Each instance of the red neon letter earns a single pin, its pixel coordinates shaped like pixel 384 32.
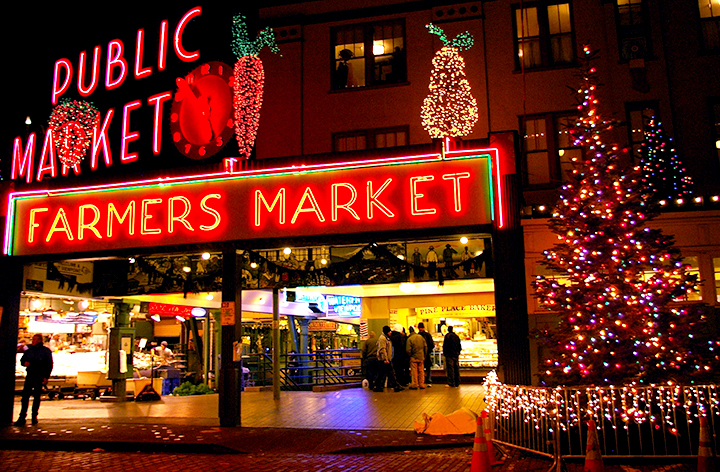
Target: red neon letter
pixel 344 206
pixel 100 137
pixel 115 58
pixel 456 187
pixel 85 91
pixel 60 217
pixel 58 90
pixel 171 213
pixel 47 158
pixel 82 226
pixel 162 48
pixel 22 162
pixel 415 196
pixel 372 199
pixel 144 216
pixel 280 197
pixel 179 49
pixel 210 211
pixel 33 225
pixel 140 72
pixel 127 136
pixel 113 213
pixel 314 207
pixel 158 100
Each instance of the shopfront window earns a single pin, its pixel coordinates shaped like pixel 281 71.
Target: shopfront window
pixel 475 326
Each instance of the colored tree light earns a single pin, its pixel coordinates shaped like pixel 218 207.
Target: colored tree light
pixel 72 123
pixel 661 167
pixel 249 82
pixel 449 110
pixel 616 282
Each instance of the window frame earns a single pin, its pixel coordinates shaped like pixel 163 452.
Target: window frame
pixel 639 106
pixel 544 36
pixel 368 57
pixel 626 33
pixel 370 135
pixel 704 49
pixel 553 148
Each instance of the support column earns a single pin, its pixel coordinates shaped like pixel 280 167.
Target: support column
pixel 10 289
pixel 276 344
pixel 230 335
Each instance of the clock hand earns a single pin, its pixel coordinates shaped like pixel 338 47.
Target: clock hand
pixel 199 107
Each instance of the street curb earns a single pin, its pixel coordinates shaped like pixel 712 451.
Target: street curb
pixel 114 446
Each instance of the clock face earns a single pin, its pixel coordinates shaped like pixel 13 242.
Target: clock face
pixel 201 115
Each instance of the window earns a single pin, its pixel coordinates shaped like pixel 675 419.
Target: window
pixel 716 265
pixel 710 24
pixel 633 28
pixel 370 139
pixel 548 149
pixel 365 55
pixel 716 124
pixel 638 115
pixel 543 35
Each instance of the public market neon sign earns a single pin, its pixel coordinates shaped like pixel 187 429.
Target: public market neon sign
pixel 403 193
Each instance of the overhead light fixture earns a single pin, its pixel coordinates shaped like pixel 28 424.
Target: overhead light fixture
pixel 323 261
pixel 180 318
pixel 209 296
pixel 463 240
pixel 198 312
pixel 401 257
pixel 186 269
pixel 287 251
pixel 83 304
pixel 205 255
pixel 407 287
pixel 131 260
pixel 155 318
pixel 253 265
pixel 50 312
pixel 35 304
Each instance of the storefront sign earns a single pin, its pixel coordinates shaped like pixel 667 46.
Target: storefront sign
pixel 343 306
pixel 405 193
pixel 317 325
pixel 227 314
pixel 455 311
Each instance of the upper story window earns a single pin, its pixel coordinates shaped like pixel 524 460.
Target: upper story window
pixel 370 139
pixel 716 125
pixel 710 24
pixel 368 54
pixel 548 149
pixel 638 116
pixel 543 35
pixel 633 28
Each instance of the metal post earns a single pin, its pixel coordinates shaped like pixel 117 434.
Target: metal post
pixel 276 344
pixel 231 326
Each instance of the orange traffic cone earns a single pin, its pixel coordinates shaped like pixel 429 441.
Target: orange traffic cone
pixel 593 458
pixel 705 455
pixel 489 440
pixel 480 460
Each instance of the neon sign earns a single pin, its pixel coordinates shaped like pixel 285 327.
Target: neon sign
pixel 392 194
pixel 344 306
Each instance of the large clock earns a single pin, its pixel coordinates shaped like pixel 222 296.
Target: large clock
pixel 201 115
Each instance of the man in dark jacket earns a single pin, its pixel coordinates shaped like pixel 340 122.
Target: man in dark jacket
pixel 428 358
pixel 451 351
pixel 38 363
pixel 370 360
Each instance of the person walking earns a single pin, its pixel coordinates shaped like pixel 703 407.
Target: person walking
pixel 428 357
pixel 38 363
pixel 385 355
pixel 417 351
pixel 370 360
pixel 451 351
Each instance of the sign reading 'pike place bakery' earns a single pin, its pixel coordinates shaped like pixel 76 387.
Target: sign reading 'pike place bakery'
pixel 410 194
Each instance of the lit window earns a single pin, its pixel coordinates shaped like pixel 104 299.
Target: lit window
pixel 548 149
pixel 543 35
pixel 633 29
pixel 370 139
pixel 710 24
pixel 368 54
pixel 716 265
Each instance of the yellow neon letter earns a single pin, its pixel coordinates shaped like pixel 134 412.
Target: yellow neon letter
pixel 315 208
pixel 344 206
pixel 33 225
pixel 415 196
pixel 211 211
pixel 112 212
pixel 456 187
pixel 82 226
pixel 280 197
pixel 60 217
pixel 144 216
pixel 171 216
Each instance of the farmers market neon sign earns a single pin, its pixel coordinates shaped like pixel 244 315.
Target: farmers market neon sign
pixel 391 194
pixel 84 77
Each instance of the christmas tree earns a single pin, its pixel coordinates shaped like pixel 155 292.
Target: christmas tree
pixel 615 277
pixel 449 110
pixel 661 168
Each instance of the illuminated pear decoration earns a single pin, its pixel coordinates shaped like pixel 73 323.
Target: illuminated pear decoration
pixel 449 110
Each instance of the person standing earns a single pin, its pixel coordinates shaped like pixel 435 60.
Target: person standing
pixel 400 359
pixel 370 360
pixel 164 352
pixel 432 259
pixel 38 363
pixel 385 355
pixel 417 351
pixel 451 351
pixel 428 357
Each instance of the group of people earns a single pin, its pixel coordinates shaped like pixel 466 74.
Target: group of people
pixel 405 360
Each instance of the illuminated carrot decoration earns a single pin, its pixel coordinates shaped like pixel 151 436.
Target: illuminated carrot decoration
pixel 249 81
